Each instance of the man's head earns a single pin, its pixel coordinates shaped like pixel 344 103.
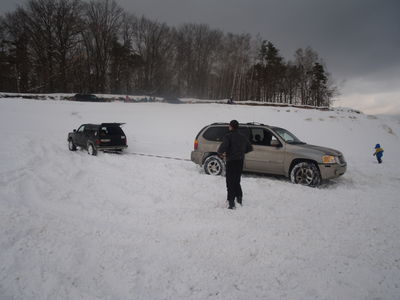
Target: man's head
pixel 233 125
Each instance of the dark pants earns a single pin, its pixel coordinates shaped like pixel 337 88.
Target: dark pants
pixel 234 170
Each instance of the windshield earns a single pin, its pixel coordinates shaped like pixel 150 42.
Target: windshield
pixel 287 136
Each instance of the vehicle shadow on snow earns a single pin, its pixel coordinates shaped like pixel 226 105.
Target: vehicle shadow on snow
pixel 83 150
pixel 325 184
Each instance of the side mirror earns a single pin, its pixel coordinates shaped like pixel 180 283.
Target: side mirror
pixel 275 143
pixel 74 130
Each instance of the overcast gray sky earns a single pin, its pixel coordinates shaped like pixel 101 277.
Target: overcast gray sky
pixel 359 40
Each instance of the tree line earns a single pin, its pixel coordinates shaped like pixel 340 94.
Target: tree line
pixel 69 46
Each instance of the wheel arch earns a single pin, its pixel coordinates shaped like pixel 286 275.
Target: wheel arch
pixel 207 155
pixel 299 160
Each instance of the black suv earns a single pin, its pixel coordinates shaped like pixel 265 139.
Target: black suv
pixel 95 137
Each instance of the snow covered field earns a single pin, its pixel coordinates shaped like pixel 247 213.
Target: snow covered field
pixel 73 226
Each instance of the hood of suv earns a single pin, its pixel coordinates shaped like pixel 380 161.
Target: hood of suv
pixel 317 149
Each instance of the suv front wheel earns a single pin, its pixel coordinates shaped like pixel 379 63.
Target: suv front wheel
pixel 305 173
pixel 213 165
pixel 71 145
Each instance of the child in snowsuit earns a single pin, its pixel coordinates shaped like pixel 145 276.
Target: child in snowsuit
pixel 378 153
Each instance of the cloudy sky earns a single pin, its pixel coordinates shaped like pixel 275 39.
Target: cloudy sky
pixel 359 40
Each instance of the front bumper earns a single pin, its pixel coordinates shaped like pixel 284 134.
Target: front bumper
pixel 332 171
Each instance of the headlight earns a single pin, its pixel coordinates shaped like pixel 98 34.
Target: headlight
pixel 329 159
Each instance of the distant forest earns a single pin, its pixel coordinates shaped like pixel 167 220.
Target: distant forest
pixel 71 46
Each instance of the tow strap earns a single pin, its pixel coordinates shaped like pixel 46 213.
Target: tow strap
pixel 158 156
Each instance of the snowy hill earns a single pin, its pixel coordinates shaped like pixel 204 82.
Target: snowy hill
pixel 125 226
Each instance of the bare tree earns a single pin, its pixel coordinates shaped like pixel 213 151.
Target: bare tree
pixel 15 50
pixel 68 29
pixel 196 56
pixel 305 60
pixel 152 42
pixel 70 45
pixel 102 22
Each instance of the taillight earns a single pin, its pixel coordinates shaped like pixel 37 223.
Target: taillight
pixel 124 139
pixel 97 142
pixel 196 144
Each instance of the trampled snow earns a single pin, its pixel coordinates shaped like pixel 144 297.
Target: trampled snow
pixel 74 226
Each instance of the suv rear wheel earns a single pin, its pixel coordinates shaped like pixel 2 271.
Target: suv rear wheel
pixel 213 165
pixel 305 173
pixel 91 149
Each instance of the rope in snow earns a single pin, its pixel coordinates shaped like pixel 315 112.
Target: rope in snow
pixel 159 156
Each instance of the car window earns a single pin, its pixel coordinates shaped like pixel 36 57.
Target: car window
pixel 287 136
pixel 110 130
pixel 261 136
pixel 89 131
pixel 80 129
pixel 245 131
pixel 274 139
pixel 216 133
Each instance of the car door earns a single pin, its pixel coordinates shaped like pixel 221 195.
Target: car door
pixel 265 158
pixel 79 137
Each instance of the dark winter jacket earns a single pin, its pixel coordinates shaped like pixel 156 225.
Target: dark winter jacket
pixel 235 145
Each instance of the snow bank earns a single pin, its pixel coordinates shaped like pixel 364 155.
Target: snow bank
pixel 131 227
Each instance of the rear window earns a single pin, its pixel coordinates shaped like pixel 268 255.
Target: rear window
pixel 111 130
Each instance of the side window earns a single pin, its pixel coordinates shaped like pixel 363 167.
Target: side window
pixel 257 136
pixel 274 139
pixel 216 133
pixel 245 131
pixel 89 131
pixel 80 129
pixel 261 136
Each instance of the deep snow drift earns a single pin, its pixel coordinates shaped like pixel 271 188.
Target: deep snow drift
pixel 124 226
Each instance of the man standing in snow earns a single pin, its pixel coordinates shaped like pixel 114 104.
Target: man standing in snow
pixel 233 148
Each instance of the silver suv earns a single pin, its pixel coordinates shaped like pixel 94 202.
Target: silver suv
pixel 275 151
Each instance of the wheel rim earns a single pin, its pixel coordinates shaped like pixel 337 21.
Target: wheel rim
pixel 304 176
pixel 71 145
pixel 213 167
pixel 90 149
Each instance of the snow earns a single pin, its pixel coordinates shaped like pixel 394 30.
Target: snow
pixel 125 226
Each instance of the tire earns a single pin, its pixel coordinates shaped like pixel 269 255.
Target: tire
pixel 71 145
pixel 91 149
pixel 213 165
pixel 305 173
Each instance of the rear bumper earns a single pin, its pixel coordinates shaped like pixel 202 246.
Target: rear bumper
pixel 196 157
pixel 332 171
pixel 111 148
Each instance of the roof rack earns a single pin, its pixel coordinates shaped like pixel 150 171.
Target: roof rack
pixel 255 123
pixel 112 124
